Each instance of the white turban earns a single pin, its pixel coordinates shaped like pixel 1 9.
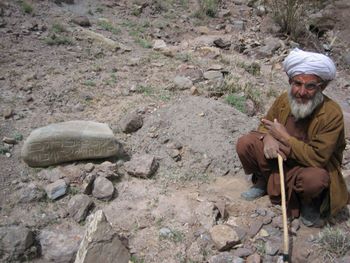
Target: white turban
pixel 302 62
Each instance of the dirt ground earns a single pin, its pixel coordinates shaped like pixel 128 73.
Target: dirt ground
pixel 53 70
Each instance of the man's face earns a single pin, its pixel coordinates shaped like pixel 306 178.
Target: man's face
pixel 304 95
pixel 304 87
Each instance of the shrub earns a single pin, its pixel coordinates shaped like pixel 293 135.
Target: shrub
pixel 207 8
pixel 26 7
pixel 236 101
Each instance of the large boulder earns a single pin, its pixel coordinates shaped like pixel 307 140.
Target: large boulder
pixel 69 141
pixel 101 243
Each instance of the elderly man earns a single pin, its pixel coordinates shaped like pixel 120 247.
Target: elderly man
pixel 307 129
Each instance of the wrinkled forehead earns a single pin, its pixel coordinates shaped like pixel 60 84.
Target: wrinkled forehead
pixel 306 78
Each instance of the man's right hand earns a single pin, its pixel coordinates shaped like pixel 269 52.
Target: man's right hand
pixel 272 148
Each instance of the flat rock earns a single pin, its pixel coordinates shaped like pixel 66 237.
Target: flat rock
pixel 131 122
pixel 159 44
pixel 69 141
pixel 225 257
pixel 101 243
pixel 243 252
pixel 141 165
pixel 212 74
pixel 255 258
pixel 60 243
pixel 81 21
pixel 255 228
pixel 103 189
pixel 14 241
pixel 56 189
pixel 224 237
pixel 182 83
pixel 79 206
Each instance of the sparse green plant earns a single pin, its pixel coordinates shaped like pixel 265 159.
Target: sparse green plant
pixel 146 90
pixel 105 25
pixel 333 242
pixel 143 43
pixel 18 136
pixel 99 10
pixel 260 247
pixel 175 235
pixel 73 190
pixel 135 259
pixel 3 150
pixel 184 57
pixel 26 7
pixel 207 8
pixel 89 83
pixel 58 28
pixel 236 101
pixel 57 40
pixel 289 15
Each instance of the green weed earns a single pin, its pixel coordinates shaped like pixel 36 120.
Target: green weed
pixel 236 101
pixel 57 28
pixel 207 8
pixel 56 40
pixel 143 43
pixel 135 259
pixel 17 136
pixel 3 150
pixel 89 83
pixel 26 7
pixel 105 25
pixel 253 68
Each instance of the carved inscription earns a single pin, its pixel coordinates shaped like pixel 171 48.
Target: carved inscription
pixel 71 149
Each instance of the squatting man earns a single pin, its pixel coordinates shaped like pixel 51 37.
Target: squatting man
pixel 306 128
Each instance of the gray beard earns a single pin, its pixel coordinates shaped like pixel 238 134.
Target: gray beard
pixel 300 110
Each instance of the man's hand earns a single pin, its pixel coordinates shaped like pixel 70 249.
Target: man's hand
pixel 271 147
pixel 277 130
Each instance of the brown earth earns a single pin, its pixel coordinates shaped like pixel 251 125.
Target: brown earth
pixel 87 79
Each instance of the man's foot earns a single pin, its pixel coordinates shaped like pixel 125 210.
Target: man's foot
pixel 253 193
pixel 310 215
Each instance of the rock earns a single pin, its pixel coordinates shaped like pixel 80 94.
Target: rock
pixel 9 140
pixel 260 10
pixel 103 189
pixel 205 214
pixel 106 42
pixel 51 175
pixel 220 43
pixel 224 237
pixel 271 45
pixel 344 259
pixel 30 193
pixel 159 44
pixel 212 75
pixel 14 241
pixel 346 59
pixel 131 122
pixel 255 228
pixel 69 141
pixel 8 113
pixel 255 258
pixel 182 83
pixel 141 165
pixel 225 257
pixel 295 225
pixel 203 30
pixel 89 167
pixel 61 243
pixel 79 206
pixel 194 91
pixel 81 21
pixel 107 170
pixel 88 183
pixel 272 247
pixel 243 252
pixel 165 232
pixel 238 25
pixel 249 106
pixel 101 243
pixel 193 73
pixel 56 189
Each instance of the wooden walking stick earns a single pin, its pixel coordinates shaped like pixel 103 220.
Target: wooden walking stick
pixel 284 211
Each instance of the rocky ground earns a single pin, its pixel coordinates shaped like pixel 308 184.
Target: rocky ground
pixel 177 87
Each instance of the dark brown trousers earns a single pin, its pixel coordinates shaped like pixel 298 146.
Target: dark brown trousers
pixel 302 183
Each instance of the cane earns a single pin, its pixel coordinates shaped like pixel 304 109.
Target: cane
pixel 284 211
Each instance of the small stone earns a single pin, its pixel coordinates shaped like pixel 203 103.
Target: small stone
pixel 272 248
pixel 212 74
pixel 141 165
pixel 263 233
pixel 243 252
pixel 225 257
pixel 81 21
pixel 295 225
pixel 255 258
pixel 107 170
pixel 52 175
pixel 8 113
pixel 165 232
pixel 255 228
pixel 182 83
pixel 224 237
pixel 239 25
pixel 194 91
pixel 131 122
pixel 103 189
pixel 88 183
pixel 9 140
pixel 159 44
pixel 8 155
pixel 56 189
pixel 79 206
pixel 89 167
pixel 277 221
